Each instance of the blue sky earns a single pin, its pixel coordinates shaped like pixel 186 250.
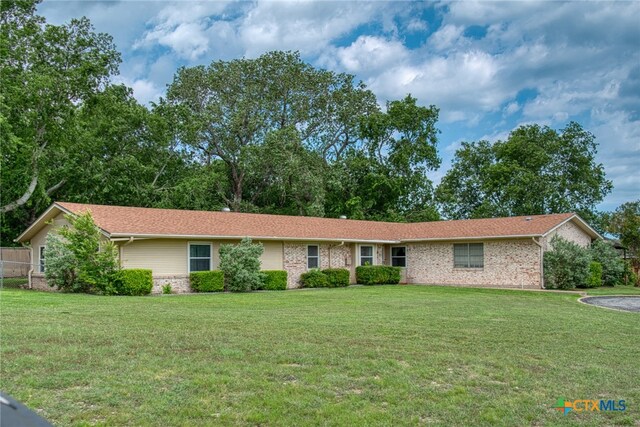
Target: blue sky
pixel 488 66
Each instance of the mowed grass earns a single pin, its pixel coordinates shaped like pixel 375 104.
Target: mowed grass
pixel 388 355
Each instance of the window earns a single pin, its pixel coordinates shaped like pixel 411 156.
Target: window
pixel 468 255
pixel 398 256
pixel 366 255
pixel 313 256
pixel 199 257
pixel 41 260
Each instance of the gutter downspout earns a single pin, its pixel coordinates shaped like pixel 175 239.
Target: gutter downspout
pixel 541 262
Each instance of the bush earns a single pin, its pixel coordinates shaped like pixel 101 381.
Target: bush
pixel 135 281
pixel 80 259
pixel 566 266
pixel 241 266
pixel 595 275
pixel 314 279
pixel 274 280
pixel 60 264
pixel 207 281
pixel 613 267
pixel 166 289
pixel 377 275
pixel 337 277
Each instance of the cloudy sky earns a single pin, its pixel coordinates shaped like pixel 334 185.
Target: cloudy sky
pixel 488 66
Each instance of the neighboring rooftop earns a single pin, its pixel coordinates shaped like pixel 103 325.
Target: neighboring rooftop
pixel 123 221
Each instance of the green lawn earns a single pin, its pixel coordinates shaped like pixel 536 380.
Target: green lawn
pixel 613 290
pixel 390 355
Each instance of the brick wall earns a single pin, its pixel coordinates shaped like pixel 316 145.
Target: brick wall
pixel 332 255
pixel 507 263
pixel 569 231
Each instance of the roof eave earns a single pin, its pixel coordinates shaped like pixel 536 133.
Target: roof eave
pixel 582 223
pixel 38 223
pixel 230 237
pixel 449 239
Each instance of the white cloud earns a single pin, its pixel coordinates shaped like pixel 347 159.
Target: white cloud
pixel 447 37
pixel 367 54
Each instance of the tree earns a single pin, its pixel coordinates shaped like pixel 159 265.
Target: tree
pixel 387 179
pixel 625 224
pixel 46 73
pixel 537 170
pixel 241 266
pixel 232 107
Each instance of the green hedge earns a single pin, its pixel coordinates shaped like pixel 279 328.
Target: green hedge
pixel 207 281
pixel 135 281
pixel 377 275
pixel 337 277
pixel 595 275
pixel 314 279
pixel 274 280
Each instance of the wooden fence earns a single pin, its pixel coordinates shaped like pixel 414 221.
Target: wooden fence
pixel 15 262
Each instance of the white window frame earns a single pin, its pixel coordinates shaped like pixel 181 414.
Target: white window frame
pixel 317 256
pixel 373 254
pixel 41 259
pixel 189 254
pixel 468 256
pixel 403 257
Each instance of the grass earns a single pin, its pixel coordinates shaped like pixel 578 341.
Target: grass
pixel 13 282
pixel 613 290
pixel 391 355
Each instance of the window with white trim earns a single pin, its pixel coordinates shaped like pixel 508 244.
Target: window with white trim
pixel 366 255
pixel 468 255
pixel 399 256
pixel 41 259
pixel 313 256
pixel 199 257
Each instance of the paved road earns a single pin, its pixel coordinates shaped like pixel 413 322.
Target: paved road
pixel 628 303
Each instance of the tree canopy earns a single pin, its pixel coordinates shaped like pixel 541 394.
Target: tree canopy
pixel 537 170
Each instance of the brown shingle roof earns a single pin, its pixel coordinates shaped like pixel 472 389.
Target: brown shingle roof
pixel 126 221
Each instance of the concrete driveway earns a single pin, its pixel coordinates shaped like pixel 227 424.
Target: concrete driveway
pixel 626 303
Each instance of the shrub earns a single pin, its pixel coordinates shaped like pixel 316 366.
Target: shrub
pixel 314 279
pixel 337 277
pixel 81 260
pixel 166 289
pixel 613 267
pixel 566 266
pixel 377 275
pixel 207 281
pixel 595 275
pixel 135 281
pixel 241 266
pixel 274 280
pixel 60 263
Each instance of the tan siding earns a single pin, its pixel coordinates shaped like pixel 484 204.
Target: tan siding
pixel 271 258
pixel 40 238
pixel 161 256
